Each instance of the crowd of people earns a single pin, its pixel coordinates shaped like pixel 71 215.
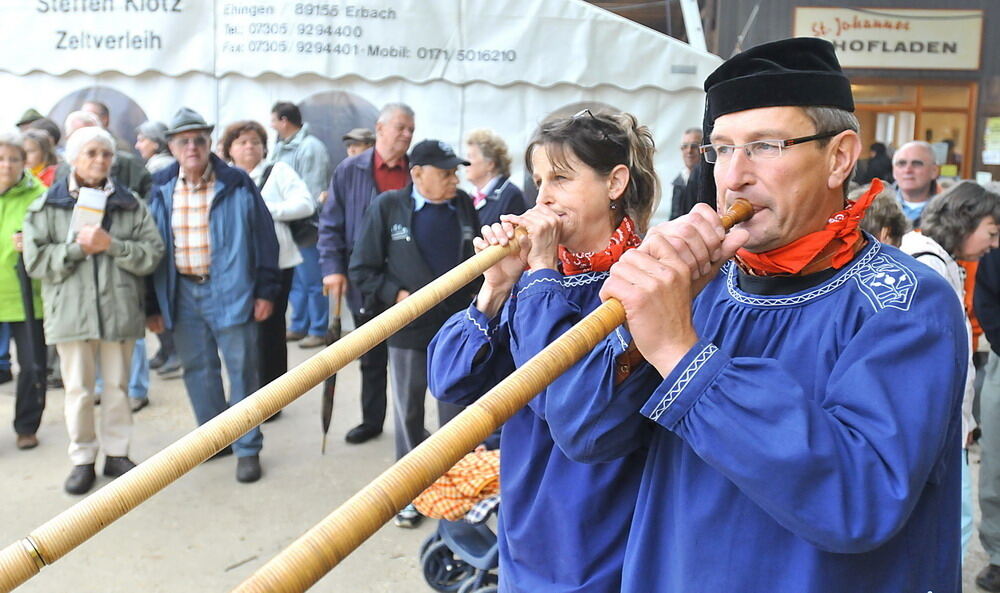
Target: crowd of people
pixel 803 385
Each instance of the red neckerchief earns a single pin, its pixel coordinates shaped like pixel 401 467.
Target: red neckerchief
pixel 623 239
pixel 837 242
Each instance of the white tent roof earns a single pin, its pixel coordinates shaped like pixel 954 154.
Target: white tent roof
pixel 461 64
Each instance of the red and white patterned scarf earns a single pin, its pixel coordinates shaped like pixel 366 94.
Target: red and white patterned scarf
pixel 623 239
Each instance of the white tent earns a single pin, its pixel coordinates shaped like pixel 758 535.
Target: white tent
pixel 461 64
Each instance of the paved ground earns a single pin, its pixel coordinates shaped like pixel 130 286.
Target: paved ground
pixel 207 533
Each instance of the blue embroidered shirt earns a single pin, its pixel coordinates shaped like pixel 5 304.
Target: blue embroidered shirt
pixel 562 523
pixel 809 443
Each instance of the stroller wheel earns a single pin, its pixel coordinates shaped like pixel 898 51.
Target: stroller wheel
pixel 485 582
pixel 443 571
pixel 434 537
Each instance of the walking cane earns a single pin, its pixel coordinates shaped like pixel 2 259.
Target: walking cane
pixel 333 332
pixel 31 324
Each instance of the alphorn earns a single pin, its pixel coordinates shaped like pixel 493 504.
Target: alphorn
pixel 319 550
pixel 51 541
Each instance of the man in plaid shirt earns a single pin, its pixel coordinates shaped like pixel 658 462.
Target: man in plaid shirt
pixel 219 276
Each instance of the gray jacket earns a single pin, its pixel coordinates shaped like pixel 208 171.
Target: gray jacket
pixel 97 297
pixel 308 156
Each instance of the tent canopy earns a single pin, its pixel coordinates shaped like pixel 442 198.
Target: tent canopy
pixel 461 64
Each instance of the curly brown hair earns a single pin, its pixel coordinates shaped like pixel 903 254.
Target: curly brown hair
pixel 235 130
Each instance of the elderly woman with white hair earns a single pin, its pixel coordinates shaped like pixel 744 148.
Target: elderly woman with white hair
pixel 92 290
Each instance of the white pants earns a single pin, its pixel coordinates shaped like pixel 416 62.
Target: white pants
pixel 79 362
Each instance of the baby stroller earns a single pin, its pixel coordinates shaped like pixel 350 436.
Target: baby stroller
pixel 462 556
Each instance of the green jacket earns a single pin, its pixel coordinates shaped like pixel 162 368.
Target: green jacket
pixel 99 297
pixel 13 206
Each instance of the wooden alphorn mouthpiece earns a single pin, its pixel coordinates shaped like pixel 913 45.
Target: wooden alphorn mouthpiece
pixel 740 211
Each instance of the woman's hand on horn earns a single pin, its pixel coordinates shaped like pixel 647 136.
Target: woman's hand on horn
pixel 499 278
pixel 544 227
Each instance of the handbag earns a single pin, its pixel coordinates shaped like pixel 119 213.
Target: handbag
pixel 305 231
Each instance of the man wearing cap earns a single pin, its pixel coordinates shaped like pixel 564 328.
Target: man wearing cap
pixel 800 403
pixel 410 237
pixel 219 276
pixel 358 140
pixel 29 116
pixel 356 182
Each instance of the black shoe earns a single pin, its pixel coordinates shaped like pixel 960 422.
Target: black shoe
pixel 158 360
pixel 275 417
pixel 81 479
pixel 54 383
pixel 362 433
pixel 6 376
pixel 988 578
pixel 115 467
pixel 226 452
pixel 248 469
pixel 138 403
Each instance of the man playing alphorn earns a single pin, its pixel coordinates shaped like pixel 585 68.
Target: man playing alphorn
pixel 801 404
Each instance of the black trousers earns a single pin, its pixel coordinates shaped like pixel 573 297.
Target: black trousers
pixel 30 396
pixel 272 348
pixel 373 378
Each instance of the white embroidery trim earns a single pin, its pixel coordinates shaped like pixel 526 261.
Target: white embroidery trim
pixel 692 369
pixel 568 281
pixel 485 331
pixel 851 272
pixel 621 339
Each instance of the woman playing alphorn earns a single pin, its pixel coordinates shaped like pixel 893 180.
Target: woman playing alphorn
pixel 563 525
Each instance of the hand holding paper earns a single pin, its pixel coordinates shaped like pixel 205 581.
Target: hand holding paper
pixel 93 239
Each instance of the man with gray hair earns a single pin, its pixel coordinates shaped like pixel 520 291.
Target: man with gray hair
pixel 219 277
pixel 356 182
pixel 915 169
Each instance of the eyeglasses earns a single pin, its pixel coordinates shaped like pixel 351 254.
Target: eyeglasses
pixel 199 141
pixel 690 146
pixel 756 150
pixel 902 164
pixel 586 112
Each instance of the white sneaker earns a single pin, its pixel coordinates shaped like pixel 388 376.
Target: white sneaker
pixel 409 517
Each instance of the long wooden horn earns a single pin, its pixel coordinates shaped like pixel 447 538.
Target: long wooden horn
pixel 51 541
pixel 315 553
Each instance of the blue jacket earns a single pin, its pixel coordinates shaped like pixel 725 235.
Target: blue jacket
pixel 352 189
pixel 244 248
pixel 505 198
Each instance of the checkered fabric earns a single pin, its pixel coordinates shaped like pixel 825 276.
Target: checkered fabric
pixel 474 478
pixel 189 221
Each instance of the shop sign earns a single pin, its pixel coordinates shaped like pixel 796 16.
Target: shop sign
pixel 896 37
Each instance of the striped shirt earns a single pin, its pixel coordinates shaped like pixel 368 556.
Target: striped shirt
pixel 189 222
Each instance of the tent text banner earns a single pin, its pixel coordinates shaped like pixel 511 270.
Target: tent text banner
pixel 129 36
pixel 501 42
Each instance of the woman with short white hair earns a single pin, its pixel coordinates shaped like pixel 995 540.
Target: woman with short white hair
pixel 92 289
